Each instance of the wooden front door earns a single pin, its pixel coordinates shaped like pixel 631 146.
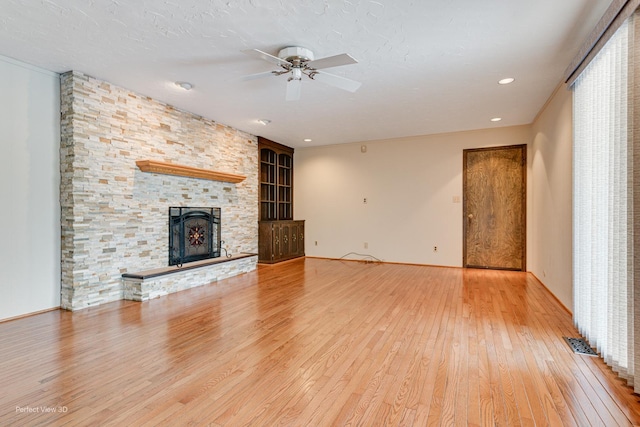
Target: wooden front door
pixel 494 197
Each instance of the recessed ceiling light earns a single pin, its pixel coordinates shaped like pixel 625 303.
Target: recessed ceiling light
pixel 308 140
pixel 264 122
pixel 506 81
pixel 184 85
pixel 496 119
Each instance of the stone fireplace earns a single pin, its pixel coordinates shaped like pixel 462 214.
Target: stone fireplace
pixel 194 234
pixel 114 216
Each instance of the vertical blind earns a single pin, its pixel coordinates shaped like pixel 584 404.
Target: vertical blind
pixel 604 269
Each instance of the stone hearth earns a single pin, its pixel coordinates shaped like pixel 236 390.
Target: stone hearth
pixel 149 284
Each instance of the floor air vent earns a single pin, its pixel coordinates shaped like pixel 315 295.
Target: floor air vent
pixel 580 346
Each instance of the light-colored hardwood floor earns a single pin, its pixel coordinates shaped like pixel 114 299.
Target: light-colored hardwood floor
pixel 314 343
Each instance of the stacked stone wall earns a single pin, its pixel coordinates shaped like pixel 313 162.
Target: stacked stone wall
pixel 115 217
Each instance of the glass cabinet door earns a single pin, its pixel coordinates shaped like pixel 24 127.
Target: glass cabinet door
pixel 285 171
pixel 268 184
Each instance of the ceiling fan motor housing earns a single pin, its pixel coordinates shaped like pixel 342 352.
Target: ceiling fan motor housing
pixel 292 53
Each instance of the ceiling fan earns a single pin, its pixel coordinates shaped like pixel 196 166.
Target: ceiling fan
pixel 298 62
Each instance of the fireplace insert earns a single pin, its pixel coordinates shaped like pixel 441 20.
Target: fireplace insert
pixel 194 234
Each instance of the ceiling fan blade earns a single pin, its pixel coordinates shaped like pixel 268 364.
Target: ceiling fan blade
pixel 337 81
pixel 265 56
pixel 258 75
pixel 331 61
pixel 293 89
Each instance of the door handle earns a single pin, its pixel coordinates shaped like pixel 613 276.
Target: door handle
pixel 470 216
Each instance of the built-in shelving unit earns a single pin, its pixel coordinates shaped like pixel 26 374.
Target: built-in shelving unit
pixel 187 171
pixel 280 237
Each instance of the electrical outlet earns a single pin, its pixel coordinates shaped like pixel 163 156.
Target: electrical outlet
pixel 435 249
pixel 316 243
pixel 364 200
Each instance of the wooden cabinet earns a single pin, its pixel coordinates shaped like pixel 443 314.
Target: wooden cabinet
pixel 280 238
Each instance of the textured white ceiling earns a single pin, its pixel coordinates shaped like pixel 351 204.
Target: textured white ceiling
pixel 427 66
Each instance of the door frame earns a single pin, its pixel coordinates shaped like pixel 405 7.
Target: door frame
pixel 523 147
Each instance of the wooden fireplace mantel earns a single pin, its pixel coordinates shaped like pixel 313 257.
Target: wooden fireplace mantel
pixel 187 171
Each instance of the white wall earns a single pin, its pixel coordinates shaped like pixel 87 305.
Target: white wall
pixel 409 184
pixel 29 189
pixel 550 160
